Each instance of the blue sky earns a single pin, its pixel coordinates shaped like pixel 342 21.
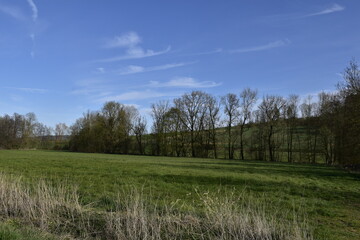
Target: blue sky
pixel 61 58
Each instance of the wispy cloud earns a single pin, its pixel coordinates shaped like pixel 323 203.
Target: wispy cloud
pixel 276 44
pixel 91 92
pixel 132 69
pixel 34 17
pixel 130 41
pixel 29 90
pixel 300 15
pixel 137 95
pixel 13 12
pixel 218 50
pixel 100 70
pixel 334 8
pixel 16 98
pixel 100 91
pixel 17 14
pixel 184 82
pixel 340 75
pixel 34 10
pixel 32 52
pixel 314 95
pixel 135 53
pixel 91 87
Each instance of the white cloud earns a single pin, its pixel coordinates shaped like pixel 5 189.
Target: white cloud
pixel 184 82
pixel 132 69
pixel 166 66
pixel 135 53
pixel 90 91
pixel 34 10
pixel 29 90
pixel 127 40
pixel 130 41
pixel 137 106
pixel 340 75
pixel 218 50
pixel 99 91
pixel 334 8
pixel 32 52
pixel 315 94
pixel 137 95
pixel 276 44
pixel 18 15
pixel 91 87
pixel 300 15
pixel 100 70
pixel 13 12
pixel 16 98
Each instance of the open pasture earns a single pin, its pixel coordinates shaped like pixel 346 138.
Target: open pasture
pixel 327 197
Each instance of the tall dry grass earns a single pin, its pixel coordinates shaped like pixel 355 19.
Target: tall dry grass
pixel 225 217
pixel 57 210
pixel 50 208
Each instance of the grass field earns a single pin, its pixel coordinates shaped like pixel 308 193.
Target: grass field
pixel 327 197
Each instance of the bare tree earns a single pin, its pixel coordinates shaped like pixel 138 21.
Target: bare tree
pixel 308 107
pixel 176 132
pixel 258 143
pixel 159 111
pixel 272 107
pixel 61 130
pixel 139 131
pixel 351 83
pixel 213 108
pixel 231 105
pixel 308 112
pixel 248 100
pixel 327 112
pixel 42 133
pixel 127 121
pixel 347 135
pixel 109 118
pixel 192 107
pixel 291 112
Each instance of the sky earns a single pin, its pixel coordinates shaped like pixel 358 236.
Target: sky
pixel 60 58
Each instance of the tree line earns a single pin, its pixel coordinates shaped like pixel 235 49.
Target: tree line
pixel 198 124
pixel 234 126
pixel 26 132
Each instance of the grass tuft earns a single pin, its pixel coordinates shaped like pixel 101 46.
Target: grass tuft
pixel 57 210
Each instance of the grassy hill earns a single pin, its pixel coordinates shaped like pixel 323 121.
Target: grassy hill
pixel 327 198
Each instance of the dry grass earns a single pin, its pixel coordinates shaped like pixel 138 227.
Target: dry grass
pixel 226 217
pixel 57 210
pixel 54 209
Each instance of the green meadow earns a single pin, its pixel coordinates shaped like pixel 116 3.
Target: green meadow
pixel 327 197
